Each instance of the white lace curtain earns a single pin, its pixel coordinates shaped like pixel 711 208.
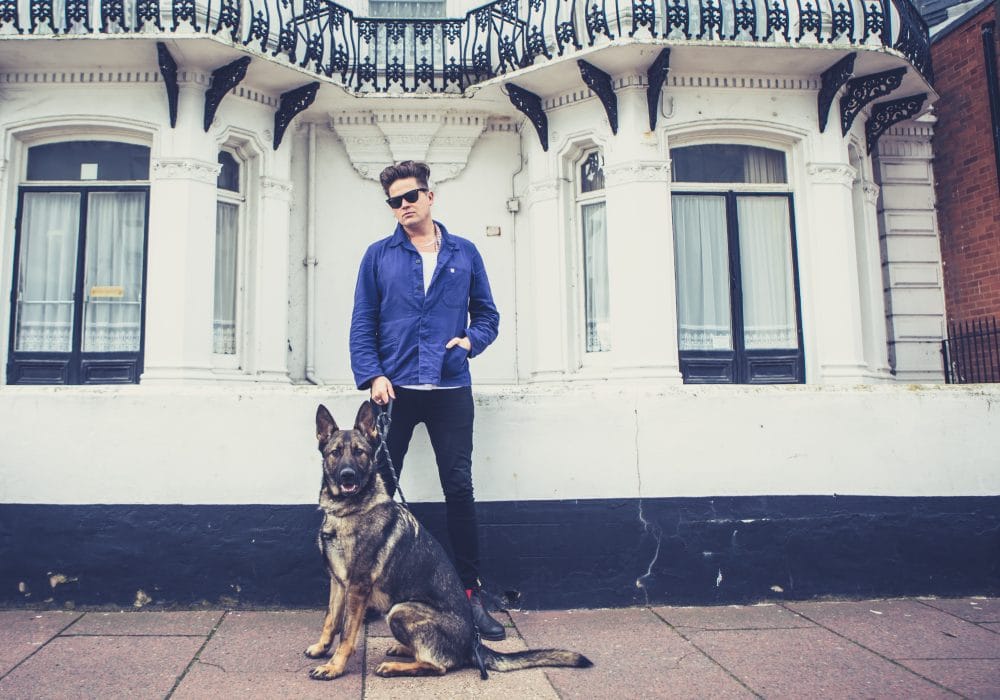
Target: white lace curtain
pixel 597 305
pixel 766 266
pixel 702 258
pixel 112 317
pixel 224 327
pixel 49 230
pixel 702 261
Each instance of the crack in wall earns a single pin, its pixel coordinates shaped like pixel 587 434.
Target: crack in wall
pixel 647 527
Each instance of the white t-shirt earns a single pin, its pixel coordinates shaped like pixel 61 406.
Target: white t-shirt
pixel 430 262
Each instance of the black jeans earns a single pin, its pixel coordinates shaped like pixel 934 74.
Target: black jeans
pixel 448 415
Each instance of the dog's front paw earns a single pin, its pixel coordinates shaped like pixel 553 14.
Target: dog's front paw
pixel 317 651
pixel 326 672
pixel 386 669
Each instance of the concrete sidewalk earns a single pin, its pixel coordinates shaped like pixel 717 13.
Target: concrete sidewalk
pixel 907 648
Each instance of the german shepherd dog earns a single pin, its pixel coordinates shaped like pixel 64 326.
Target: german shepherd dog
pixel 379 556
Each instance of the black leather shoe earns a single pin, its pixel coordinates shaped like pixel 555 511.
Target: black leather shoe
pixel 488 627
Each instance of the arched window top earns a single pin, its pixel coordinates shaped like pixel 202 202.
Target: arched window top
pixel 229 176
pixel 88 160
pixel 592 172
pixel 730 163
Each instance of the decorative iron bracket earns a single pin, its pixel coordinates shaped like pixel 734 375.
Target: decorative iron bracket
pixel 292 102
pixel 600 82
pixel 834 78
pixel 656 76
pixel 530 105
pixel 886 114
pixel 861 91
pixel 168 69
pixel 224 79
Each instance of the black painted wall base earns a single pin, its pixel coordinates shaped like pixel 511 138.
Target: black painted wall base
pixel 537 554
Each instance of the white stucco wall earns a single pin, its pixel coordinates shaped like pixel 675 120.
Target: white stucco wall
pixel 196 445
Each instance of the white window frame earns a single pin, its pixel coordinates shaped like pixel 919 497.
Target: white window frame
pixel 237 360
pixel 588 358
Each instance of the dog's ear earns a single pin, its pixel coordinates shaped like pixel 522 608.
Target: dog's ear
pixel 326 426
pixel 365 422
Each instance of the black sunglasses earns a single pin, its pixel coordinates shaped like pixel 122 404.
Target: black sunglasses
pixel 411 197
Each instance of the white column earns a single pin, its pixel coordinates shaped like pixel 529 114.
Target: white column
pixel 545 300
pixel 180 269
pixel 878 363
pixel 837 306
pixel 640 245
pixel 269 303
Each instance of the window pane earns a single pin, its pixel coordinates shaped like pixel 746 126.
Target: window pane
pixel 766 265
pixel 728 163
pixel 595 270
pixel 592 173
pixel 229 176
pixel 407 9
pixel 702 257
pixel 112 311
pixel 49 230
pixel 88 160
pixel 226 229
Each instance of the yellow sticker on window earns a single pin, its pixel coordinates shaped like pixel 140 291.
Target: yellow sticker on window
pixel 107 292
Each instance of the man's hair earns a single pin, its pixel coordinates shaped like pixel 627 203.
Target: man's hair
pixel 403 170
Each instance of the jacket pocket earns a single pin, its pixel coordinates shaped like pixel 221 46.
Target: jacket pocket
pixel 455 360
pixel 455 287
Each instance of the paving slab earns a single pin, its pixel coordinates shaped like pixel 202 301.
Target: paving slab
pixel 260 655
pixel 971 609
pixel 130 622
pixel 971 678
pixel 991 626
pixel 633 652
pixel 460 683
pixel 23 632
pixel 804 663
pixel 904 629
pixel 102 667
pixel 732 617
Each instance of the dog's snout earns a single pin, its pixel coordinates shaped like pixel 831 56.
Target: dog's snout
pixel 348 475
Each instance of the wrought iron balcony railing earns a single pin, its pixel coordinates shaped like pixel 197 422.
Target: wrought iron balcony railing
pixel 448 55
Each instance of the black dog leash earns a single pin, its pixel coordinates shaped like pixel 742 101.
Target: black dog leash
pixel 477 654
pixel 382 422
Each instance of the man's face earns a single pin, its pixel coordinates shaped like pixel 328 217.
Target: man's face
pixel 415 214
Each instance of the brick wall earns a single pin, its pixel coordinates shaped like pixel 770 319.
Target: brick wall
pixel 965 166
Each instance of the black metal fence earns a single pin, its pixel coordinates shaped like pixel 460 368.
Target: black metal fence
pixel 448 55
pixel 972 352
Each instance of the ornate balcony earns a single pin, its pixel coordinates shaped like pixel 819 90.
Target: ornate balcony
pixel 496 39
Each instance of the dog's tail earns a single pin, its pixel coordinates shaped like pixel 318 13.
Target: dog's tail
pixel 533 658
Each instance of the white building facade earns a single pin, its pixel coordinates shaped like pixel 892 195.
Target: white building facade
pixel 709 230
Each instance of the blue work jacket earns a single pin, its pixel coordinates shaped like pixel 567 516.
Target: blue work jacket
pixel 399 332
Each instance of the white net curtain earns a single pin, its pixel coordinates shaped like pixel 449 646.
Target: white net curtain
pixel 112 311
pixel 49 232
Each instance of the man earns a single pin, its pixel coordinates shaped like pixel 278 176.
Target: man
pixel 422 308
